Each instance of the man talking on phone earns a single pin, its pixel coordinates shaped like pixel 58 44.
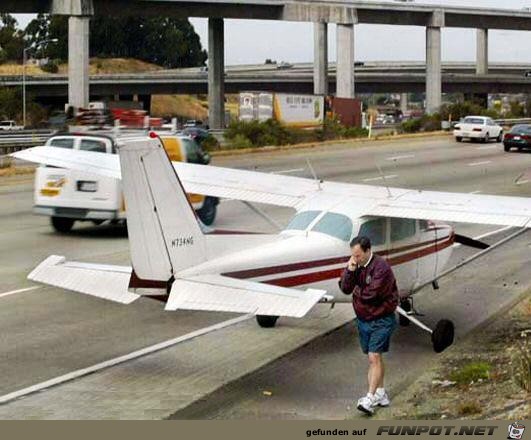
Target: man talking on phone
pixel 371 282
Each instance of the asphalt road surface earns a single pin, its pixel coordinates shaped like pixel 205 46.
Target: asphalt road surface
pixel 47 332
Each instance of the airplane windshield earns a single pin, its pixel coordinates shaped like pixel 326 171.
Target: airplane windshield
pixel 336 225
pixel 302 220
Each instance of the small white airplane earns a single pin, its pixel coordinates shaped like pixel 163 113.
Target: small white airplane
pixel 284 274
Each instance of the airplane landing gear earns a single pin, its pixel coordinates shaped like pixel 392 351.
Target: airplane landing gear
pixel 443 335
pixel 407 306
pixel 266 321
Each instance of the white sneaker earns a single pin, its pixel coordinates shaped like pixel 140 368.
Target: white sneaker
pixel 366 404
pixel 381 398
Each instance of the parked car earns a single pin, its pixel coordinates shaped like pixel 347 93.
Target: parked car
pixel 67 196
pixel 519 137
pixel 527 74
pixel 198 134
pixel 10 126
pixel 193 123
pixel 480 128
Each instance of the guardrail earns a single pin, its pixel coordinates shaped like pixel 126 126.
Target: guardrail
pixel 15 141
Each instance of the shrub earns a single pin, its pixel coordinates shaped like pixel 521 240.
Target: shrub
pixel 471 372
pixel 210 143
pixel 258 134
pixel 51 66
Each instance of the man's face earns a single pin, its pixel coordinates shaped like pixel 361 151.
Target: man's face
pixel 359 256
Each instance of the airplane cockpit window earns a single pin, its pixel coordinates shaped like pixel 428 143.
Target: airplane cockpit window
pixel 336 225
pixel 402 228
pixel 374 230
pixel 302 220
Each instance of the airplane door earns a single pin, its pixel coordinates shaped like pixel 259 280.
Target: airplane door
pixel 404 251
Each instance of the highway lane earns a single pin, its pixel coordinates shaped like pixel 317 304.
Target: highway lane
pixel 48 332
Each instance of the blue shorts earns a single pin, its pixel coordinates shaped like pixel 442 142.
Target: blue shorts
pixel 376 335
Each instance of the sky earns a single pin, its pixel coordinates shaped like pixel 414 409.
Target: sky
pixel 253 41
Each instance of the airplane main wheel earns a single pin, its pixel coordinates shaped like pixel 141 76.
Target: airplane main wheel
pixel 443 335
pixel 406 305
pixel 266 321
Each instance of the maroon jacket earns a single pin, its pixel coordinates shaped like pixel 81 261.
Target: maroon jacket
pixel 373 288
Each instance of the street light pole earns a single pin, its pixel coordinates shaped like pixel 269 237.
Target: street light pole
pixel 24 86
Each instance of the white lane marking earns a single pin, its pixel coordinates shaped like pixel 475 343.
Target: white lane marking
pixel 487 147
pixel 294 170
pixel 405 156
pixel 27 289
pixel 119 360
pixel 373 179
pixel 475 164
pixel 474 192
pixel 523 182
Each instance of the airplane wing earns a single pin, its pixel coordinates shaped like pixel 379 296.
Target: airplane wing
pixel 223 294
pixel 294 192
pixel 205 292
pixel 212 181
pixel 103 281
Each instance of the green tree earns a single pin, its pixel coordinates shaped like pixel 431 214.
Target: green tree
pixel 11 39
pixel 168 42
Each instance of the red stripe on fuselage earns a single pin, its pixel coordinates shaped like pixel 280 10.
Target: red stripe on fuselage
pixel 314 277
pixel 275 270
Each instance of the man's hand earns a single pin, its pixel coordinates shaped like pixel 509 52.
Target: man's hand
pixel 352 265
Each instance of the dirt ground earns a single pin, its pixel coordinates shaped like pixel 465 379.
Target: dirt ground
pixel 485 376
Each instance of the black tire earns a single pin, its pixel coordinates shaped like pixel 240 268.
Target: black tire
pixel 443 335
pixel 500 137
pixel 207 213
pixel 459 139
pixel 506 148
pixel 62 224
pixel 485 139
pixel 266 321
pixel 402 320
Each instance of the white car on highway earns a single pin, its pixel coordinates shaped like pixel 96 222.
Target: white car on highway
pixel 480 128
pixel 10 126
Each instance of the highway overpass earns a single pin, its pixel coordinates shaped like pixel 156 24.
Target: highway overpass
pixel 370 78
pixel 344 13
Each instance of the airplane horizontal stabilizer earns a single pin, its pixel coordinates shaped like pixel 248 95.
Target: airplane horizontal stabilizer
pixel 103 281
pixel 223 294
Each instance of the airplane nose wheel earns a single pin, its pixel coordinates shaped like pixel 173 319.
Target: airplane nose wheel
pixel 443 335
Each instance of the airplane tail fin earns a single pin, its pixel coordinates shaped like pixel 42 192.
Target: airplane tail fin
pixel 164 235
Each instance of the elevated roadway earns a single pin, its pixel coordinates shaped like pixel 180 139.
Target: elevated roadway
pixel 370 78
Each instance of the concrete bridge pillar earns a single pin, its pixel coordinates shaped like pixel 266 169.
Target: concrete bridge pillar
pixel 482 47
pixel 320 59
pixel 78 61
pixel 433 70
pixel 345 61
pixel 216 73
pixel 404 102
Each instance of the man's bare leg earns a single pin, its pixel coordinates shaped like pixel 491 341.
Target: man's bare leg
pixel 376 372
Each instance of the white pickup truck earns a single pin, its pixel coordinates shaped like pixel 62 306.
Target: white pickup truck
pixel 10 126
pixel 67 196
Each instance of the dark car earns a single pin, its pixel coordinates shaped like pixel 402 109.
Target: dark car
pixel 519 137
pixel 196 133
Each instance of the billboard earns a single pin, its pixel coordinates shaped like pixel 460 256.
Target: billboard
pixel 289 109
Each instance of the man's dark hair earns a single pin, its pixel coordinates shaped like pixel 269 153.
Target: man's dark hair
pixel 364 242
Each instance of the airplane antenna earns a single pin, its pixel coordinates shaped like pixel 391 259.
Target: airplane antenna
pixel 319 181
pixel 385 181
